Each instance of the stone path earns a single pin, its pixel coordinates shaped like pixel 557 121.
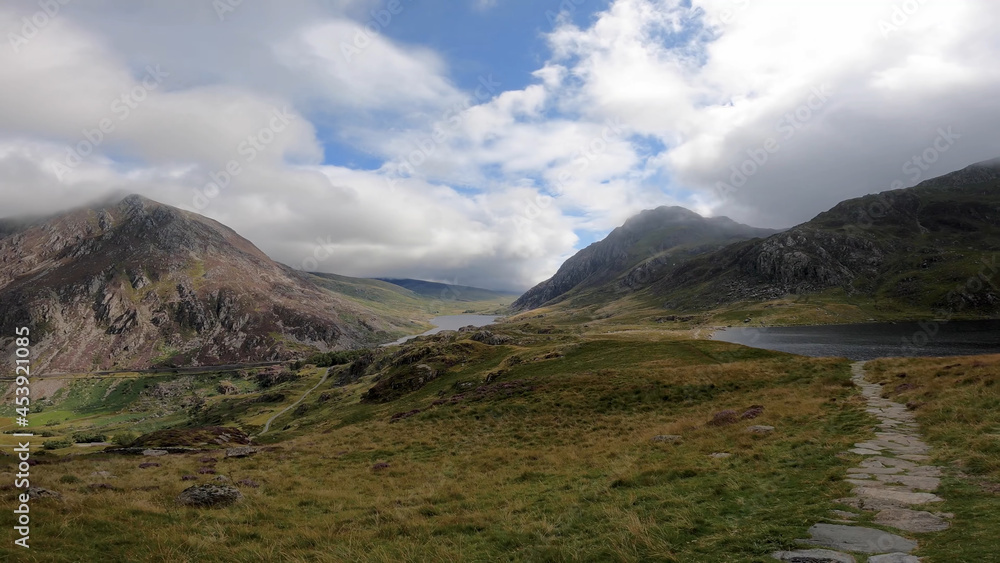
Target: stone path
pixel 892 481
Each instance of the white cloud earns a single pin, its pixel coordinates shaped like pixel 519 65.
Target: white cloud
pixel 651 104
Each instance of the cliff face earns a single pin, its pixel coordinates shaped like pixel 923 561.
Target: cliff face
pixel 139 283
pixel 934 246
pixel 637 249
pixel 918 245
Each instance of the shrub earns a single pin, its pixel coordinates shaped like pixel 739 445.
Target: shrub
pixel 125 439
pixel 57 444
pixel 88 437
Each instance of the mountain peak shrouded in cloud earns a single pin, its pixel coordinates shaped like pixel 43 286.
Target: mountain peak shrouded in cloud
pixel 431 154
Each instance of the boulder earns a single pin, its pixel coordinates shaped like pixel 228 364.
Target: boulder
pixel 210 496
pixel 244 451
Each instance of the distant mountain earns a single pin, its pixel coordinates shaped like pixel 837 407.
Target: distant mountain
pixel 935 245
pixel 652 241
pixel 443 291
pixel 920 250
pixel 137 283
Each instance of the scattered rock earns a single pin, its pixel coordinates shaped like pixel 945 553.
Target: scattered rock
pixel 248 483
pixel 858 539
pixel 154 453
pixel 911 520
pixel 720 455
pixel 760 429
pixel 38 492
pixel 206 471
pixel 103 474
pixel 148 465
pixel 380 466
pixel 813 556
pixel 724 418
pixel 668 438
pixel 243 451
pixel 210 496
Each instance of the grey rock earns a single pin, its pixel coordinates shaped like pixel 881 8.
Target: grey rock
pixel 858 539
pixel 154 453
pixel 813 556
pixel 240 452
pixel 720 455
pixel 911 520
pixel 210 496
pixel 760 429
pixel 38 492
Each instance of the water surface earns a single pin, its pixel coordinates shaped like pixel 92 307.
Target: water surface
pixel 870 341
pixel 451 322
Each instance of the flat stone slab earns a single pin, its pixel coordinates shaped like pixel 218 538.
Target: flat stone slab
pixel 894 558
pixel 896 495
pixel 863 451
pixel 920 483
pixel 858 539
pixel 814 556
pixel 911 520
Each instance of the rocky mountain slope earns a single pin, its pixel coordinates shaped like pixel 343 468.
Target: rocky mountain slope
pixel 650 241
pixel 933 247
pixel 137 283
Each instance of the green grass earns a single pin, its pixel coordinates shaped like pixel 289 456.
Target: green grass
pixel 957 403
pixel 562 468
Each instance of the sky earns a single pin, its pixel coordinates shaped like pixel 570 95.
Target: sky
pixel 483 142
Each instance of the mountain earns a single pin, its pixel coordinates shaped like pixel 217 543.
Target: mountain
pixel 923 247
pixel 927 250
pixel 137 283
pixel 446 291
pixel 652 240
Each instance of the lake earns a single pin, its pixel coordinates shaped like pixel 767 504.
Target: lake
pixel 451 322
pixel 876 340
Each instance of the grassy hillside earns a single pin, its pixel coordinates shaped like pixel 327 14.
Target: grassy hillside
pixel 553 459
